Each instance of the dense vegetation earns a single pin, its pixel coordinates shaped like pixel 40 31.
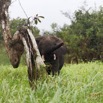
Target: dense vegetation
pixel 77 83
pixel 84 37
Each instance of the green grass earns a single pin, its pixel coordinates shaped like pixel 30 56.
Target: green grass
pixel 77 83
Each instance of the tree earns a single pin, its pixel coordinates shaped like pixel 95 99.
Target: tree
pixel 84 36
pixel 86 26
pixel 34 60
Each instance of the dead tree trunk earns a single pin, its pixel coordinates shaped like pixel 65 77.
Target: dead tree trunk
pixel 36 66
pixel 34 60
pixel 4 5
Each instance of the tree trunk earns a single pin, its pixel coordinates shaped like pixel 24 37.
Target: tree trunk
pixel 35 63
pixel 4 5
pixel 34 60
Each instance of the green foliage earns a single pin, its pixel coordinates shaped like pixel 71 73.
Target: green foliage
pixel 80 83
pixel 87 24
pixel 37 19
pixel 15 24
pixel 84 37
pixel 3 56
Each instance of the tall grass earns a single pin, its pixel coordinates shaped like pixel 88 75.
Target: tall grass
pixel 77 83
pixel 82 83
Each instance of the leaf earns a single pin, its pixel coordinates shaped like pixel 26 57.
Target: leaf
pixel 39 20
pixel 41 16
pixel 36 22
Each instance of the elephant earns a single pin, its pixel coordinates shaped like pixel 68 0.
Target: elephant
pixel 51 48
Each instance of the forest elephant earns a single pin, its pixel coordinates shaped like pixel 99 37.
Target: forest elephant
pixel 51 48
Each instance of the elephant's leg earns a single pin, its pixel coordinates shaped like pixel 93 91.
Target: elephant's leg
pixel 58 72
pixel 61 61
pixel 48 67
pixel 48 70
pixel 55 67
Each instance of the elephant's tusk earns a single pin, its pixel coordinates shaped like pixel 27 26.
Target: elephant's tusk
pixel 43 58
pixel 54 56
